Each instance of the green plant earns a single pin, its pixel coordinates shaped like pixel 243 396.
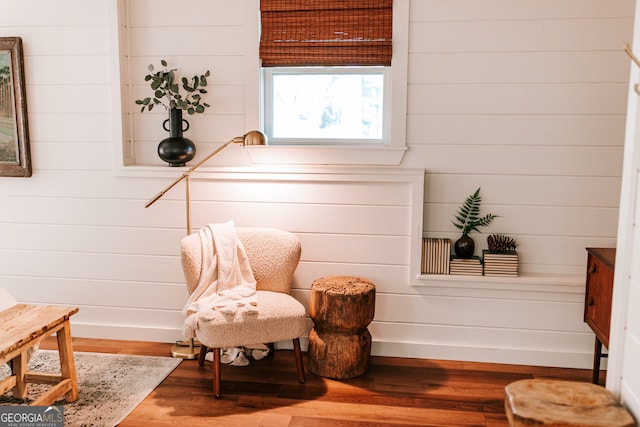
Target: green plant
pixel 166 91
pixel 468 218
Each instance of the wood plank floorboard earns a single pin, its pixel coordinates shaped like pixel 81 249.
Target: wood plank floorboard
pixel 394 392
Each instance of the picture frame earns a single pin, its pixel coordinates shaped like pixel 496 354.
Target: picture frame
pixel 15 155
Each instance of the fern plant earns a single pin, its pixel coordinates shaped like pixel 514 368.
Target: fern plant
pixel 468 218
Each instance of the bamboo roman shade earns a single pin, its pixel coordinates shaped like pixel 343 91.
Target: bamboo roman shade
pixel 325 32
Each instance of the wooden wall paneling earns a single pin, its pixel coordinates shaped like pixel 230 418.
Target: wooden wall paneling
pixel 52 126
pixel 499 129
pixel 209 13
pixel 95 155
pixel 90 238
pixel 512 98
pixel 60 69
pixel 526 190
pixel 87 184
pixel 153 296
pixel 34 13
pixel 299 218
pixel 77 265
pixel 44 98
pixel 159 43
pixel 147 332
pixel 517 67
pixel 446 10
pixel 519 160
pixel 279 187
pixel 520 35
pixel 91 211
pixel 140 318
pixel 463 312
pixel 352 249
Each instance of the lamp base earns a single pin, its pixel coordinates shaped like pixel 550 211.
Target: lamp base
pixel 186 349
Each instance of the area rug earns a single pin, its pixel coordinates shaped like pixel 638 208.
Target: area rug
pixel 110 386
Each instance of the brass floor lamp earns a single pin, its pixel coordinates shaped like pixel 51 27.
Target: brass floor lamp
pixel 254 137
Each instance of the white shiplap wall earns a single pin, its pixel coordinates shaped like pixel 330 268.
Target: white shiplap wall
pixel 526 101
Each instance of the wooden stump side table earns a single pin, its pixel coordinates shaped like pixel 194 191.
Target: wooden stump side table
pixel 556 403
pixel 341 307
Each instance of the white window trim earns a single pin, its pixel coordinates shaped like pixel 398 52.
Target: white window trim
pixel 267 113
pixel 391 154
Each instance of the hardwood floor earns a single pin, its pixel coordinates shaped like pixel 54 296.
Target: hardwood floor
pixel 394 392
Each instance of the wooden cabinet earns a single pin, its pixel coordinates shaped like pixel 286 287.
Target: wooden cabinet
pixel 597 300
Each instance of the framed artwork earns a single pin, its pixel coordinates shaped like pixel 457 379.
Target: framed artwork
pixel 15 158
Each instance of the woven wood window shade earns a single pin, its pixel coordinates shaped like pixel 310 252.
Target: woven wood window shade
pixel 325 32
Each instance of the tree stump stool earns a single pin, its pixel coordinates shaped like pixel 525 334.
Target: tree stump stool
pixel 341 308
pixel 563 404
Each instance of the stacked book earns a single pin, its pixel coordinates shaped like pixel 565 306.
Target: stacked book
pixel 466 266
pixel 436 254
pixel 500 263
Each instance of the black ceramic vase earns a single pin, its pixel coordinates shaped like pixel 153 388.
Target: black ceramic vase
pixel 176 150
pixel 464 247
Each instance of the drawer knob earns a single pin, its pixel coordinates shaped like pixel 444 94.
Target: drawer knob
pixel 591 301
pixel 592 268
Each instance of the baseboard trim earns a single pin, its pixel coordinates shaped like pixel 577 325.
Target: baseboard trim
pixel 511 356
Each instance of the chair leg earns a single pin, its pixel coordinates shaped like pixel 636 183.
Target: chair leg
pixel 203 354
pixel 216 372
pixel 299 364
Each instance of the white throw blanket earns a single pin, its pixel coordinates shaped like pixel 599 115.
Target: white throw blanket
pixel 226 282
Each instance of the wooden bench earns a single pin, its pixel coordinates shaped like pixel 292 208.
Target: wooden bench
pixel 24 326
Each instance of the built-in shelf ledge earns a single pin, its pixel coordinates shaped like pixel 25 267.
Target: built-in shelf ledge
pixel 526 282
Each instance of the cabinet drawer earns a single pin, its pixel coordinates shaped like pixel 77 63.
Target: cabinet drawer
pixel 598 314
pixel 598 293
pixel 599 275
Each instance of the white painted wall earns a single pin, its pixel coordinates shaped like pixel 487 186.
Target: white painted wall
pixel 526 100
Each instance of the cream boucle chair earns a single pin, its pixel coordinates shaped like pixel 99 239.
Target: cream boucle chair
pixel 273 255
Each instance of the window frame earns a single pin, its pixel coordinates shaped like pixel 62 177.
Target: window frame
pixel 267 104
pixel 379 155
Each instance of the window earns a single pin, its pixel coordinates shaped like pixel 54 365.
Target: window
pixel 326 71
pixel 338 152
pixel 326 105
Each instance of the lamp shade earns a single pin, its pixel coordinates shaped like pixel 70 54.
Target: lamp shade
pixel 255 137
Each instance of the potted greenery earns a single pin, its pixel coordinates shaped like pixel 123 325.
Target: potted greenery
pixel 175 98
pixel 468 219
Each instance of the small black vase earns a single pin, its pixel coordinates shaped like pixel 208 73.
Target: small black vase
pixel 176 150
pixel 464 247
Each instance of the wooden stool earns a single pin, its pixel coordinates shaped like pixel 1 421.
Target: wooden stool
pixel 341 308
pixel 563 404
pixel 24 326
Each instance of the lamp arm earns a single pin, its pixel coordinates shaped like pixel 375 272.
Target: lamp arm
pixel 191 169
